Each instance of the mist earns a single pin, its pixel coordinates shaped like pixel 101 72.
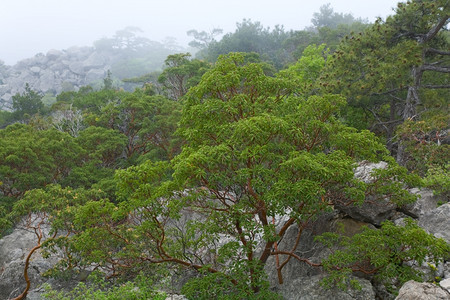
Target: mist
pixel 28 27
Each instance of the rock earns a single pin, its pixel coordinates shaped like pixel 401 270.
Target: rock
pixel 14 248
pixel 437 222
pixel 296 273
pixel 309 288
pixel 413 290
pixel 35 70
pixel 47 80
pixel 95 60
pixel 94 75
pixel 373 210
pixel 76 67
pixel 426 203
pixel 175 297
pixel 445 284
pixel 365 168
pixel 54 54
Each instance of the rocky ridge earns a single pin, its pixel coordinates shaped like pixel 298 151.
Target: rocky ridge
pixel 54 72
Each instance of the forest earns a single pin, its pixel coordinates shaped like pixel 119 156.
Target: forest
pixel 205 167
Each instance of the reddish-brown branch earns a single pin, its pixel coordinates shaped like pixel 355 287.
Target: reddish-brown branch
pixel 298 258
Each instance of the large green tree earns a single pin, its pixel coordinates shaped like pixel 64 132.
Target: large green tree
pixel 396 68
pixel 260 157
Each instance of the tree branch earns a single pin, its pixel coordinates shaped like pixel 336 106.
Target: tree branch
pixel 430 86
pixel 432 33
pixel 435 68
pixel 437 51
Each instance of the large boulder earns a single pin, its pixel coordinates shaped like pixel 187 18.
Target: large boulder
pixel 413 290
pixel 437 222
pixel 302 281
pixel 426 202
pixel 373 210
pixel 95 60
pixel 14 249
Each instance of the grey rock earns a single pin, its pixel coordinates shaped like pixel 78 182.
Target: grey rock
pixel 47 80
pixel 445 284
pixel 14 248
pixel 437 222
pixel 296 273
pixel 426 203
pixel 373 210
pixel 4 88
pixel 35 70
pixel 7 97
pixel 54 54
pixel 413 290
pixel 447 269
pixel 95 74
pixel 95 60
pixel 365 168
pixel 76 67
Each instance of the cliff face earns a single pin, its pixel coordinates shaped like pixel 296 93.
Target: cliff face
pixel 54 72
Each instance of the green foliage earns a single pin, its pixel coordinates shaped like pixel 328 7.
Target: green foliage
pixel 219 286
pixel 26 104
pixel 148 122
pixel 180 74
pixel 251 37
pixel 308 68
pixel 256 151
pixel 5 117
pixel 438 179
pixel 422 140
pixel 388 253
pixel 395 69
pixel 97 288
pixel 31 159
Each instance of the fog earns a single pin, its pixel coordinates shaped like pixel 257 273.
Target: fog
pixel 28 27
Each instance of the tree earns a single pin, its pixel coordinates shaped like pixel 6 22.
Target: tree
pixel 180 74
pixel 26 104
pixel 257 161
pixel 389 68
pixel 108 82
pixel 148 122
pixel 203 39
pixel 326 17
pixel 252 37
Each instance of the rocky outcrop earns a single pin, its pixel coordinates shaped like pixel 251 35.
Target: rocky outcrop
pixel 413 290
pixel 76 66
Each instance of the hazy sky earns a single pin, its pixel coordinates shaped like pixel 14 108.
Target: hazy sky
pixel 28 27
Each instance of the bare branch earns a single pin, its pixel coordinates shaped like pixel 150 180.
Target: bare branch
pixel 437 51
pixel 430 86
pixel 435 68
